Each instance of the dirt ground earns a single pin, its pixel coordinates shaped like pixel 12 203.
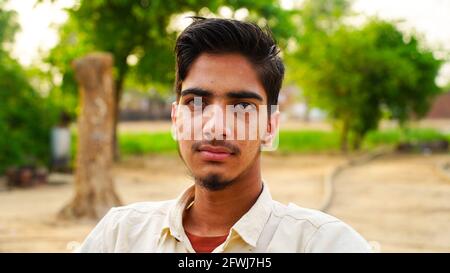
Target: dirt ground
pixel 399 203
pixel 402 202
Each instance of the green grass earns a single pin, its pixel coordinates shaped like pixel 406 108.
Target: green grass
pixel 146 143
pixel 308 141
pixel 395 136
pixel 141 143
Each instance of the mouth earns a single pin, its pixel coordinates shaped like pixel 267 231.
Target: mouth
pixel 214 153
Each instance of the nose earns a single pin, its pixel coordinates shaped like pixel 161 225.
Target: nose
pixel 214 123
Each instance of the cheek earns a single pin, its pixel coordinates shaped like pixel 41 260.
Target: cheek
pixel 185 148
pixel 250 127
pixel 249 149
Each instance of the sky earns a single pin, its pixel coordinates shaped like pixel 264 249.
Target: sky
pixel 430 18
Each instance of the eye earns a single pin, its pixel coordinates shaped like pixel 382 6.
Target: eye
pixel 195 102
pixel 244 106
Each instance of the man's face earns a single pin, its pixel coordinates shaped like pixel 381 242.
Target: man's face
pixel 215 151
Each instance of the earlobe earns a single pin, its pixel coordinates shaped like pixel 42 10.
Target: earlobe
pixel 272 130
pixel 267 136
pixel 173 113
pixel 173 116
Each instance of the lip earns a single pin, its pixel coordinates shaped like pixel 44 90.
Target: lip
pixel 214 153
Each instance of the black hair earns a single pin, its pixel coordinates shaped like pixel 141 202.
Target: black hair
pixel 215 35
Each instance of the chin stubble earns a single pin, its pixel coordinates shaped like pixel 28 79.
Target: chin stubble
pixel 213 182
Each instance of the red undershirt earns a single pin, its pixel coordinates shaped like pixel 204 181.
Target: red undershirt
pixel 205 244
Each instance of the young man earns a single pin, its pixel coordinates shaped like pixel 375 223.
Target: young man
pixel 231 67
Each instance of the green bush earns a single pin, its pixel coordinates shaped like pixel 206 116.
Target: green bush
pixel 25 118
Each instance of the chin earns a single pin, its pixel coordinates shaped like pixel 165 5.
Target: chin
pixel 213 181
pixel 211 174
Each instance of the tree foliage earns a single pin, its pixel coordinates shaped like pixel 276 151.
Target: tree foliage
pixel 360 74
pixel 25 119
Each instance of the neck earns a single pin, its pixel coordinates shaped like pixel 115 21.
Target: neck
pixel 215 212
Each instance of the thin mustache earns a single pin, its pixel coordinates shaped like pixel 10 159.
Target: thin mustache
pixel 216 143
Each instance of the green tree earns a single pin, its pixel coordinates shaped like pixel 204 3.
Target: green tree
pixel 25 119
pixel 360 74
pixel 315 19
pixel 140 28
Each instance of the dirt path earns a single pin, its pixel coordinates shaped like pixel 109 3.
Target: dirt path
pixel 397 201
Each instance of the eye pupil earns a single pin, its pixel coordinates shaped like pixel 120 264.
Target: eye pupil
pixel 194 102
pixel 243 105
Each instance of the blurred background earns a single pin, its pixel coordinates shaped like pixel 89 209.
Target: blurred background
pixel 365 114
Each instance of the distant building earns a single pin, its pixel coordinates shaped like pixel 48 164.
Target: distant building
pixel 293 106
pixel 136 105
pixel 440 109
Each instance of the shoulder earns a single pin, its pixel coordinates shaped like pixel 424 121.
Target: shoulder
pixel 317 231
pixel 313 217
pixel 123 225
pixel 141 209
pixel 137 215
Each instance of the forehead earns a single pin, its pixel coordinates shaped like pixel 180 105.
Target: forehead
pixel 222 73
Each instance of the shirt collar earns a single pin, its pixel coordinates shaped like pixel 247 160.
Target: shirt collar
pixel 249 227
pixel 175 220
pixel 252 223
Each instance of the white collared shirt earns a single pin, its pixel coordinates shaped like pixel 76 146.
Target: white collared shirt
pixel 268 226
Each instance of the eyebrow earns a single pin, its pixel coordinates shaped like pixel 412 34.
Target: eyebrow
pixel 242 94
pixel 197 92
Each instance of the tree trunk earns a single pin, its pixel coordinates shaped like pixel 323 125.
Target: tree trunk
pixel 122 69
pixel 307 115
pixel 344 137
pixel 118 97
pixel 357 141
pixel 94 188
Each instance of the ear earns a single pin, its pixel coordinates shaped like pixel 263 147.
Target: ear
pixel 173 113
pixel 269 139
pixel 173 116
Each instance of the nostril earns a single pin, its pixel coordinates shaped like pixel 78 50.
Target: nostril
pixel 208 136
